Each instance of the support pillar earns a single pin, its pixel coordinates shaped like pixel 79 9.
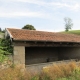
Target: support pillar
pixel 19 55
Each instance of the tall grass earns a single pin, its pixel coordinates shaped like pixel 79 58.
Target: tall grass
pixel 69 71
pixel 14 73
pixel 61 70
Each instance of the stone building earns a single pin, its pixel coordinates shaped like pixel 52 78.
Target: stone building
pixel 34 47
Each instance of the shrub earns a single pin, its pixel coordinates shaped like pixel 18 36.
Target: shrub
pixel 13 74
pixel 61 70
pixel 5 49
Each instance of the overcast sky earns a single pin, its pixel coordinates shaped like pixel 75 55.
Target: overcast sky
pixel 46 15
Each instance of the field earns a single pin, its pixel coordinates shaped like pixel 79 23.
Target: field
pixel 77 32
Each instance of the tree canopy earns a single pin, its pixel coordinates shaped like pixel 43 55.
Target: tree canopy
pixel 29 27
pixel 68 23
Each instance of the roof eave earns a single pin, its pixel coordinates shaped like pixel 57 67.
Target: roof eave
pixel 47 41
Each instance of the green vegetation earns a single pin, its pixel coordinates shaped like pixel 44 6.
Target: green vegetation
pixel 29 27
pixel 68 24
pixel 74 76
pixel 5 49
pixel 77 32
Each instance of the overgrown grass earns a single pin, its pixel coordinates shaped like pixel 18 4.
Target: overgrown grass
pixel 14 73
pixel 62 71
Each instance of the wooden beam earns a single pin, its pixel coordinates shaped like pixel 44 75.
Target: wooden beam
pixel 47 44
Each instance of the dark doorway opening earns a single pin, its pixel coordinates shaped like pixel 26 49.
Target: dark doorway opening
pixel 35 55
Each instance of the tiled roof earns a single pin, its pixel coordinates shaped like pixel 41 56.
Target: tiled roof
pixel 32 35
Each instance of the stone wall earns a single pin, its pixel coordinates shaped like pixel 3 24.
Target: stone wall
pixel 19 55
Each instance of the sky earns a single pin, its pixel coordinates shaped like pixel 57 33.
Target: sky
pixel 44 15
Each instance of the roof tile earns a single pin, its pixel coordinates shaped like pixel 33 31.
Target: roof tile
pixel 32 35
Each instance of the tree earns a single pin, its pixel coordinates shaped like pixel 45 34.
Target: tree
pixel 29 27
pixel 68 23
pixel 0 30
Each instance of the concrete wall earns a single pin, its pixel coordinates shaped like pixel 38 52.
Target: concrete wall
pixel 40 54
pixel 19 55
pixel 69 53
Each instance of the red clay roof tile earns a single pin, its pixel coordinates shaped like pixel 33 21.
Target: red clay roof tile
pixel 32 35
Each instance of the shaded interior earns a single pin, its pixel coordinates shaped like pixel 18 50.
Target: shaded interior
pixel 35 55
